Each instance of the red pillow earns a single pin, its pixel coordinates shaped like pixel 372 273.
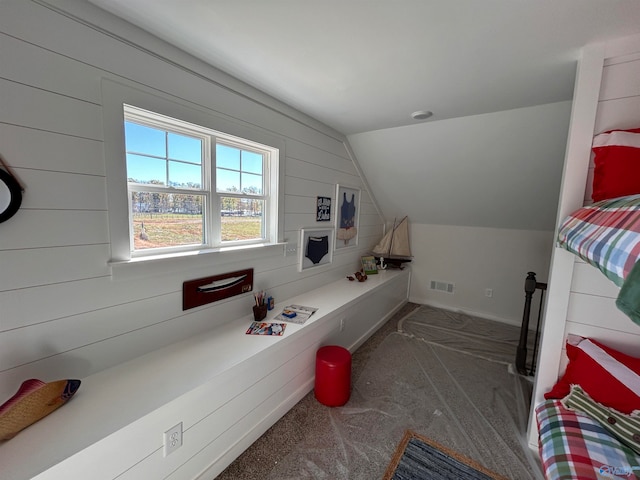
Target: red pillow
pixel 608 376
pixel 617 164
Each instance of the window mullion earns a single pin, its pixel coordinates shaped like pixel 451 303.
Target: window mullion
pixel 213 212
pixel 166 157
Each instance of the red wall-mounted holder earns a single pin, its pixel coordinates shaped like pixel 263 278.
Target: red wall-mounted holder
pixel 211 289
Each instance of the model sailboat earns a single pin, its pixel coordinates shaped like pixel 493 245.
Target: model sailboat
pixel 394 248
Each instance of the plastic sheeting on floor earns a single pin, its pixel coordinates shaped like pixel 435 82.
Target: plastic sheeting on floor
pixel 445 376
pixel 482 338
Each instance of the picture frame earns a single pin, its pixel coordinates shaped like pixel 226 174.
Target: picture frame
pixel 347 216
pixel 315 247
pixel 369 266
pixel 323 212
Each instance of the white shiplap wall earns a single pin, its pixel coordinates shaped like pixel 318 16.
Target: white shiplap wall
pixel 581 300
pixel 62 314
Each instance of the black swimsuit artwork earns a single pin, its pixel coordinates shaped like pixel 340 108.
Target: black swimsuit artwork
pixel 317 247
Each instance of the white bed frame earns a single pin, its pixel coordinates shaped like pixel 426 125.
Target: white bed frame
pixel 581 300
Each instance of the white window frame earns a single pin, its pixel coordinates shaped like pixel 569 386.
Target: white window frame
pixel 212 197
pixel 115 96
pixel 268 155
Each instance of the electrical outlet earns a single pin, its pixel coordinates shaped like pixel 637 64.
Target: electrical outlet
pixel 290 249
pixel 172 439
pixel 488 292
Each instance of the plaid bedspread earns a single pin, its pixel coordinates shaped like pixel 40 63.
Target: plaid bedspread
pixel 606 235
pixel 574 446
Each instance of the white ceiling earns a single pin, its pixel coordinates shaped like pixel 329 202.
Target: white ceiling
pixel 362 65
pixel 498 75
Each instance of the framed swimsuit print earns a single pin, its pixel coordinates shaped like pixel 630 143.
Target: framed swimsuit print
pixel 316 247
pixel 347 216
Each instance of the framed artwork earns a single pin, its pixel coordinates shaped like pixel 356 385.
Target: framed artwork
pixel 323 213
pixel 369 265
pixel 316 247
pixel 347 215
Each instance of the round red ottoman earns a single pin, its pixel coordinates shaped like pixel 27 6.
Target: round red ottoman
pixel 333 375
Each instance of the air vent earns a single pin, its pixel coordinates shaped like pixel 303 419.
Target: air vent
pixel 445 287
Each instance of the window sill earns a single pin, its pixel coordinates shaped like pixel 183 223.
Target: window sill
pixel 153 265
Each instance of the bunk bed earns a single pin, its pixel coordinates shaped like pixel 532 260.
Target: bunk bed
pixel 587 404
pixel 588 425
pixel 607 236
pixel 601 433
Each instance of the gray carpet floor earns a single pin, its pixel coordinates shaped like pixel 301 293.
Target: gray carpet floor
pixel 444 375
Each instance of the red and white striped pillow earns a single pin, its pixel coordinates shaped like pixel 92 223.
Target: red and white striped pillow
pixel 608 376
pixel 617 164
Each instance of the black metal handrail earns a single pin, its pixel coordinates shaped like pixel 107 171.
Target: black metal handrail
pixel 530 287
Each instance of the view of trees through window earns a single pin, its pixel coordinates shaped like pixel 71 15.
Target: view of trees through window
pixel 168 202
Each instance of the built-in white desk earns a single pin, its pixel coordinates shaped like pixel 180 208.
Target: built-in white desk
pixel 226 388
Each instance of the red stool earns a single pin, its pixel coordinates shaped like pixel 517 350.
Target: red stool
pixel 333 375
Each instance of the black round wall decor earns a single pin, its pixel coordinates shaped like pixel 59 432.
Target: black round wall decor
pixel 10 196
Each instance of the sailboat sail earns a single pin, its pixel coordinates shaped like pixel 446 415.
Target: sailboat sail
pixel 384 247
pixel 395 243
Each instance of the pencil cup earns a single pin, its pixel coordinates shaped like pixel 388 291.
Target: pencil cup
pixel 259 312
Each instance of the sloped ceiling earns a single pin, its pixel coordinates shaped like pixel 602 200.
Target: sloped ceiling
pixel 362 66
pixel 499 170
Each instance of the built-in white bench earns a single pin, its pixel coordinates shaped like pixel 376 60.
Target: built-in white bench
pixel 226 387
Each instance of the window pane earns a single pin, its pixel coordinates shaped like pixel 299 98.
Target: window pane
pixel 166 220
pixel 252 183
pixel 241 219
pixel 142 169
pixel 172 173
pixel 227 180
pixel 185 148
pixel 227 157
pixel 141 139
pixel 251 162
pixel 185 175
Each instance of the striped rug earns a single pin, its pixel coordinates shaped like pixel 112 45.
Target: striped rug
pixel 418 457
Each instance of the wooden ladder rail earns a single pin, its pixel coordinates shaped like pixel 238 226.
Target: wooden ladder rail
pixel 530 286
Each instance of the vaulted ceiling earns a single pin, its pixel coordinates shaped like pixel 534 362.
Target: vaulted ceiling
pixel 362 67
